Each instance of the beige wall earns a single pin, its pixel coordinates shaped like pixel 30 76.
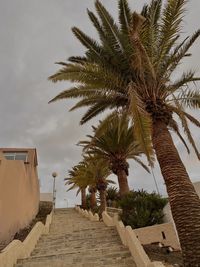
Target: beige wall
pixel 19 194
pixel 46 197
pixel 163 233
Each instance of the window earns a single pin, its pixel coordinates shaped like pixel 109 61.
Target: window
pixel 16 155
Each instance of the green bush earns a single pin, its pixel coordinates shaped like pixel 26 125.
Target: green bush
pixel 140 209
pixel 112 196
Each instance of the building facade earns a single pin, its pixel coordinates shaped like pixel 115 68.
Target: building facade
pixel 19 190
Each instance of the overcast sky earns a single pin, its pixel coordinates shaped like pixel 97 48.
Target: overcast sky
pixel 34 35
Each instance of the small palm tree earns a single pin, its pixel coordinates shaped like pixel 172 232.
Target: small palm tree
pixel 77 180
pixel 131 69
pixel 90 172
pixel 98 170
pixel 112 196
pixel 93 202
pixel 113 141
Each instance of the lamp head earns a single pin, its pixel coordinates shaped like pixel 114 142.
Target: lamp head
pixel 54 174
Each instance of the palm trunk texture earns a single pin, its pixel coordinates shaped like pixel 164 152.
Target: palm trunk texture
pixel 83 198
pixel 102 194
pixel 123 182
pixel 93 200
pixel 184 201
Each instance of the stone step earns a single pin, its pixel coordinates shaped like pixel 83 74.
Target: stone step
pixel 82 255
pixel 84 245
pixel 114 258
pixel 83 231
pixel 63 264
pixel 79 251
pixel 82 226
pixel 80 236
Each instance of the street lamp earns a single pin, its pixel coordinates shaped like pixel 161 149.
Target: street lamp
pixel 54 175
pixel 66 201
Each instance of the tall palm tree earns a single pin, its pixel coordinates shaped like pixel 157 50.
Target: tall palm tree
pixel 113 141
pixel 131 68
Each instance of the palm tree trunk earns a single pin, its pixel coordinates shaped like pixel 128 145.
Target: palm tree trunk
pixel 123 182
pixel 83 198
pixel 93 201
pixel 103 201
pixel 184 201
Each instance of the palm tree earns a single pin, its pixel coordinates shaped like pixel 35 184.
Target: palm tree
pixel 113 141
pixel 90 172
pixel 112 196
pixel 77 180
pixel 131 69
pixel 93 202
pixel 98 170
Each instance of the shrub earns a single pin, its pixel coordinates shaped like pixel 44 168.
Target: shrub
pixel 140 209
pixel 112 196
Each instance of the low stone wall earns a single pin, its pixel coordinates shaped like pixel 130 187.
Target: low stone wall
pixel 88 214
pixel 21 250
pixel 113 212
pixel 128 238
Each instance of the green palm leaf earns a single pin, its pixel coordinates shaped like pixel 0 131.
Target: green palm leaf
pixel 142 124
pixel 124 16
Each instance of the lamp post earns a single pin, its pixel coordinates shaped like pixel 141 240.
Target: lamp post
pixel 54 175
pixel 66 201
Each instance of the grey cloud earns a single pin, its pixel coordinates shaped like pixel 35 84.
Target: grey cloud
pixel 34 35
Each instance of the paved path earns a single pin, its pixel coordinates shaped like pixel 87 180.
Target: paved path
pixel 74 241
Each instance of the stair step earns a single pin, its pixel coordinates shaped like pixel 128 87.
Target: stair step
pixel 100 261
pixel 80 251
pixel 78 238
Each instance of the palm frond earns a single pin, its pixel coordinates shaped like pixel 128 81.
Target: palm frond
pixel 189 99
pixel 186 78
pixel 170 27
pixel 142 124
pixel 95 110
pixel 192 119
pixel 88 42
pixel 124 16
pixel 150 30
pixel 79 60
pixel 110 27
pixel 75 92
pixel 180 112
pixel 174 126
pixel 141 163
pixel 97 25
pixel 141 61
pixel 179 53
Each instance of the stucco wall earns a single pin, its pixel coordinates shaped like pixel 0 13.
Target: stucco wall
pixel 164 233
pixel 46 197
pixel 19 196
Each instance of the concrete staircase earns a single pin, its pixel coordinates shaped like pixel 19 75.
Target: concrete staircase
pixel 75 241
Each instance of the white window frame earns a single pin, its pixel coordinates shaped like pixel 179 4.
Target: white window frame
pixel 14 154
